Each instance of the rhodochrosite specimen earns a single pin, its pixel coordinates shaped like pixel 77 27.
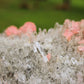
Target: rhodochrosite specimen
pixel 11 30
pixel 71 28
pixel 28 27
pixel 68 34
pixel 49 56
pixel 74 28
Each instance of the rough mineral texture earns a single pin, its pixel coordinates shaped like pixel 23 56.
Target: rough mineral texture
pixel 19 64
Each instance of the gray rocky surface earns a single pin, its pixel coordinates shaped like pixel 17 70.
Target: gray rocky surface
pixel 19 64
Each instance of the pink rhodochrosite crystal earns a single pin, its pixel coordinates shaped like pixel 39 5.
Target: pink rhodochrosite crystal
pixel 68 34
pixel 75 24
pixel 72 27
pixel 28 27
pixel 49 56
pixel 75 27
pixel 11 30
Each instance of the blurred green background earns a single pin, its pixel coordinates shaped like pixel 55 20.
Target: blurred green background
pixel 44 13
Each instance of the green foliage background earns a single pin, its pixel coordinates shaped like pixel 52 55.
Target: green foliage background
pixel 44 17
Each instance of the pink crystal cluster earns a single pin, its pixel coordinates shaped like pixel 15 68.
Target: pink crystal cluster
pixel 28 28
pixel 75 28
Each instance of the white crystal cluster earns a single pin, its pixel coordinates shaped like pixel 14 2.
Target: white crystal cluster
pixel 21 62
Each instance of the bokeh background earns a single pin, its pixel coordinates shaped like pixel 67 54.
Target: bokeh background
pixel 44 13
